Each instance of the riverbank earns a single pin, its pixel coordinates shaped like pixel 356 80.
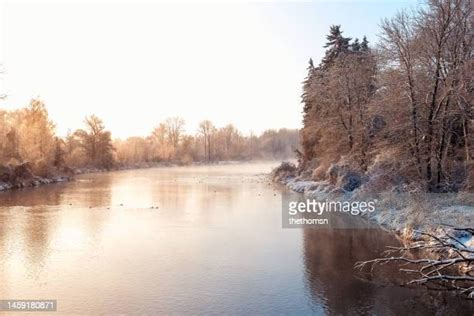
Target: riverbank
pixel 435 230
pixel 33 182
pixel 22 175
pixel 405 212
pixel 221 211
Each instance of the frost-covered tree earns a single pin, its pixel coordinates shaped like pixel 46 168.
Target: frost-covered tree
pixel 355 45
pixel 36 133
pixel 174 130
pixel 96 143
pixel 335 45
pixel 364 45
pixel 411 97
pixel 207 131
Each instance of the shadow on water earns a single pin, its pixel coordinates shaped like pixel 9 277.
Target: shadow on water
pixel 44 195
pixel 329 258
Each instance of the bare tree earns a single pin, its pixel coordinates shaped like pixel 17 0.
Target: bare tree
pixel 174 129
pixel 96 142
pixel 397 44
pixel 207 130
pixel 411 97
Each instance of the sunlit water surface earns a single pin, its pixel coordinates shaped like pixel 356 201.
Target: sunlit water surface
pixel 189 240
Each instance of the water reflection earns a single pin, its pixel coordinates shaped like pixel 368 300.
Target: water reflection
pixel 37 227
pixel 4 224
pixel 43 195
pixel 201 240
pixel 329 257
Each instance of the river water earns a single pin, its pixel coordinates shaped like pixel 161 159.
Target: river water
pixel 190 240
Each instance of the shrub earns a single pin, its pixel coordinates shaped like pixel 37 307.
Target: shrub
pixel 283 171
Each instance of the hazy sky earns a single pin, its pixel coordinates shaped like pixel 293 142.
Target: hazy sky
pixel 136 64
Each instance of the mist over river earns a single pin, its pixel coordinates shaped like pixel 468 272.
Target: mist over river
pixel 190 240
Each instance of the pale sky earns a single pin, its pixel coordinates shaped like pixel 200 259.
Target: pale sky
pixel 135 64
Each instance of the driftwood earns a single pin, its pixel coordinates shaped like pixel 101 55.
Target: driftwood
pixel 452 269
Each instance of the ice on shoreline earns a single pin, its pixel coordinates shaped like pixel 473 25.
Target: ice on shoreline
pixel 397 212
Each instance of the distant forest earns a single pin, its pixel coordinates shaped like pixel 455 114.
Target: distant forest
pixel 28 136
pixel 400 111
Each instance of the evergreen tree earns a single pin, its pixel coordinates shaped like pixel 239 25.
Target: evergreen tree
pixel 355 46
pixel 336 44
pixel 364 46
pixel 305 98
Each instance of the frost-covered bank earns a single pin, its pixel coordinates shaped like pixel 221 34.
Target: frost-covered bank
pixel 437 230
pixel 402 209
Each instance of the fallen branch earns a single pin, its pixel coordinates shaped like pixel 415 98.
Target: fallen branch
pixel 451 269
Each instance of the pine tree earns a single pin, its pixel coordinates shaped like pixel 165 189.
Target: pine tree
pixel 336 44
pixel 305 98
pixel 364 46
pixel 355 46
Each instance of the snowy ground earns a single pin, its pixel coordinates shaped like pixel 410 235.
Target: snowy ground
pixel 403 213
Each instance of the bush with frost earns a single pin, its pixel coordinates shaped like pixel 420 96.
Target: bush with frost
pixel 284 171
pixel 344 177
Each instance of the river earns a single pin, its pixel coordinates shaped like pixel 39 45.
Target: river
pixel 190 240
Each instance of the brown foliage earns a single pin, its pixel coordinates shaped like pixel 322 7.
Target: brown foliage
pixel 412 97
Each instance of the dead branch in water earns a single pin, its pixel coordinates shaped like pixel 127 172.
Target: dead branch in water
pixel 452 269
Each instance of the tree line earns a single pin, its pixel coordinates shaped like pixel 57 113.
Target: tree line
pixel 406 103
pixel 168 142
pixel 27 135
